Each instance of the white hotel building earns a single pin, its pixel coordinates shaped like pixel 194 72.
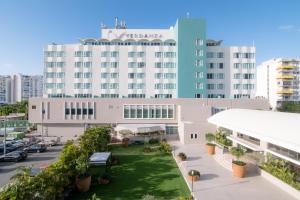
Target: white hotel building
pixel 278 81
pixel 178 62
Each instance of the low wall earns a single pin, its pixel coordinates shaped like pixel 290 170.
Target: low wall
pixel 282 185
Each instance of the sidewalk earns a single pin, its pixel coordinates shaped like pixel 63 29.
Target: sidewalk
pixel 218 183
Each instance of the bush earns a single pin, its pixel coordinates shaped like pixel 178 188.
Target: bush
pixel 282 170
pixel 147 150
pixel 221 139
pixel 182 156
pixel 95 139
pixel 165 147
pixel 153 141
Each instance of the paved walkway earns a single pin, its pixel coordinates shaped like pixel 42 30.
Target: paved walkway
pixel 218 183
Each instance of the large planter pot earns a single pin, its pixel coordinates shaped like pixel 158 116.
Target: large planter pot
pixel 125 142
pixel 194 178
pixel 239 170
pixel 210 148
pixel 83 184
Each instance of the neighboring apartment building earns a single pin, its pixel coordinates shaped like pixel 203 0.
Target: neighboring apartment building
pixel 185 119
pixel 150 63
pixel 5 89
pixel 278 80
pixel 16 88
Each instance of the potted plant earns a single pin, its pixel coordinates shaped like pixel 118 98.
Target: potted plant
pixel 238 166
pixel 83 178
pixel 210 146
pixel 104 179
pixel 125 142
pixel 194 175
pixel 181 156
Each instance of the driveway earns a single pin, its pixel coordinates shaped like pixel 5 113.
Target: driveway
pixel 8 169
pixel 218 183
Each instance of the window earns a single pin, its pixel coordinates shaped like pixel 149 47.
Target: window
pixel 131 64
pixel 169 54
pixel 140 54
pixel 114 75
pixel 220 76
pixel 131 54
pixel 237 76
pixel 220 55
pixel 158 65
pixel 199 52
pixel 248 76
pixel 237 86
pixel 169 65
pixel 105 64
pixel 33 107
pixel 210 86
pixel 60 64
pixel 199 74
pixel 87 64
pixel 104 75
pixel 78 53
pixel 78 64
pixel 169 86
pixel 105 54
pixel 237 65
pixel 87 75
pixel 114 64
pixel 210 54
pixel 211 65
pixel 158 54
pixel 210 76
pixel 248 86
pixel 158 75
pixel 199 86
pixel 78 75
pixel 221 65
pixel 141 64
pixel 198 63
pixel 148 111
pixel 114 54
pixel 220 86
pixel 169 76
pixel 199 42
pixel 158 86
pixel 87 54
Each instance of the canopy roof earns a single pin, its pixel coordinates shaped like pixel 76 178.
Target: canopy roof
pixel 282 129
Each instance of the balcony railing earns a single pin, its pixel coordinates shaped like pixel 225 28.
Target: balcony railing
pixel 289 91
pixel 286 77
pixel 285 67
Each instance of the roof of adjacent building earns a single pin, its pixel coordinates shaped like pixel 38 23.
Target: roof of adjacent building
pixel 279 128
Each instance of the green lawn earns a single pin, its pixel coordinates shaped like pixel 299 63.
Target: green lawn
pixel 139 174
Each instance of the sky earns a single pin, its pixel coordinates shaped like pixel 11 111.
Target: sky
pixel 26 26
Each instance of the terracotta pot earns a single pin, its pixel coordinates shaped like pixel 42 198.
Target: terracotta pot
pixel 210 149
pixel 239 170
pixel 194 178
pixel 83 184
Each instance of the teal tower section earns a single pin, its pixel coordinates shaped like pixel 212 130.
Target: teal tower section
pixel 190 37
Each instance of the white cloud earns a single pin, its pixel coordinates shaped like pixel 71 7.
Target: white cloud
pixel 286 27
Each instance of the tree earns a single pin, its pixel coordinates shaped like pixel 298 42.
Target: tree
pixel 95 139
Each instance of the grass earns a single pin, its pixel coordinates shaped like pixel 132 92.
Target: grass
pixel 139 174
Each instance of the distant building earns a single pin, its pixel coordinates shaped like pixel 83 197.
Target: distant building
pixel 18 87
pixel 278 81
pixel 179 62
pixel 5 89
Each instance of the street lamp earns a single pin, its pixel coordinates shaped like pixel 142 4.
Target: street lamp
pixel 192 174
pixel 43 112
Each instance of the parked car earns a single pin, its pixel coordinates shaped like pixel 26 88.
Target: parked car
pixel 13 157
pixel 9 148
pixel 36 148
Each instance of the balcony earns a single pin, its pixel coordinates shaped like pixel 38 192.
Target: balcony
pixel 285 67
pixel 286 77
pixel 288 92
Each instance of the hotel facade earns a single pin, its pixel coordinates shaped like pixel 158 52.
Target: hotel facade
pixel 179 62
pixel 278 81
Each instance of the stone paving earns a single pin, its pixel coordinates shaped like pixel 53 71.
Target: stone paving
pixel 218 183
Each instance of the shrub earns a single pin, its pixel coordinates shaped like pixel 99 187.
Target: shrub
pixel 238 152
pixel 82 166
pixel 95 139
pixel 282 170
pixel 153 141
pixel 196 173
pixel 147 150
pixel 182 156
pixel 165 147
pixel 210 137
pixel 221 139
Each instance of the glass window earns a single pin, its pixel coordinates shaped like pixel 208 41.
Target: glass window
pixel 132 111
pixel 145 112
pixel 139 111
pixel 158 54
pixel 164 112
pixel 126 112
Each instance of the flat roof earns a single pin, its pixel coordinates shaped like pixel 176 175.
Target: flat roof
pixel 279 128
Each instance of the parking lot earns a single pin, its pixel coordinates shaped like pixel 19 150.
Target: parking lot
pixel 8 169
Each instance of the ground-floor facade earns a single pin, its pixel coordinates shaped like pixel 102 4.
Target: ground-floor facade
pixel 186 118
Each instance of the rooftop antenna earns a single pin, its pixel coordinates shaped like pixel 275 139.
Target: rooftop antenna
pixel 116 22
pixel 188 15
